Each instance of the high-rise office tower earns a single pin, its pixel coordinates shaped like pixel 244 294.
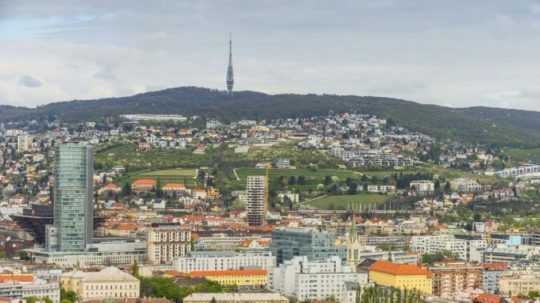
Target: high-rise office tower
pixel 257 200
pixel 73 196
pixel 230 76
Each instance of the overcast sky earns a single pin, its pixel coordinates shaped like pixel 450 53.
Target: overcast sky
pixel 448 52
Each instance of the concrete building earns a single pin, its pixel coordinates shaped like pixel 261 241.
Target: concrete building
pixel 21 286
pixel 317 280
pixel 108 283
pixel 288 243
pixel 225 260
pixel 119 253
pixel 422 187
pixel 525 170
pixel 515 283
pixel 257 199
pixel 510 253
pixel 24 143
pixel 221 242
pixel 491 274
pixel 381 188
pixel 464 185
pixel 235 298
pixel 143 185
pixel 358 251
pixel 166 242
pixel 452 279
pixel 238 277
pixel 467 248
pixel 73 196
pixel 401 276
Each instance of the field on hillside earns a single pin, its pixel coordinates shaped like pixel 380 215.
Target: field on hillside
pixel 176 172
pixel 313 177
pixel 128 156
pixel 522 155
pixel 178 175
pixel 342 202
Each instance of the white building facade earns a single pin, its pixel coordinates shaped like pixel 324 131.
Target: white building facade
pixel 317 280
pixel 225 260
pixel 166 242
pixel 467 249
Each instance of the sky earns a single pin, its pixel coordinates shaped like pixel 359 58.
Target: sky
pixel 453 53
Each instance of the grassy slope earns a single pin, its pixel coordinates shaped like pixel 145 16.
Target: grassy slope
pixel 523 155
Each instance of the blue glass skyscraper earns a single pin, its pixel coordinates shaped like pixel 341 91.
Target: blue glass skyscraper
pixel 73 196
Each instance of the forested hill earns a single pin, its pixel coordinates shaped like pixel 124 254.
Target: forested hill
pixel 475 124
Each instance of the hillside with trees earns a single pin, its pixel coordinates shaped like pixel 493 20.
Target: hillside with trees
pixel 476 124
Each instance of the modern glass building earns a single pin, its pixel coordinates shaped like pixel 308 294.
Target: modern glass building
pixel 73 196
pixel 288 243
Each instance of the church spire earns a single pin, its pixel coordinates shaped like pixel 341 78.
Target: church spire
pixel 230 76
pixel 353 233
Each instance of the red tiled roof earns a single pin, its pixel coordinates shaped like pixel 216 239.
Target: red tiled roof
pixel 487 298
pixel 399 269
pixel 144 182
pixel 16 278
pixel 495 266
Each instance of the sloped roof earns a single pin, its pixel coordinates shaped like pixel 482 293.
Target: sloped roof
pixel 399 269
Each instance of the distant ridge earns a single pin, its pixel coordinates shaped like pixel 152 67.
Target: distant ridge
pixel 486 125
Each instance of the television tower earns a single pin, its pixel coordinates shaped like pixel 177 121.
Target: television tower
pixel 230 75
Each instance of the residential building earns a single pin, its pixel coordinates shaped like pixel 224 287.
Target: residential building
pixel 21 286
pixel 73 196
pixel 288 243
pixel 143 185
pixel 224 260
pixel 515 283
pixel 283 163
pixel 235 298
pixel 219 243
pixel 174 188
pixel 451 279
pixel 238 277
pixel 166 242
pixel 24 143
pixel 422 187
pixel 117 252
pixel 464 185
pixel 257 200
pixel 524 170
pixel 108 283
pixel 317 280
pixel 401 276
pixel 491 274
pixel 510 253
pixel 467 248
pixel 358 251
pixel 381 188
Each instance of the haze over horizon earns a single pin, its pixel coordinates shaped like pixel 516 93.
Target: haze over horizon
pixel 453 54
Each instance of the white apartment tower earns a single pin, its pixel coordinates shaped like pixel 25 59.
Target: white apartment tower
pixel 166 242
pixel 24 143
pixel 317 280
pixel 257 194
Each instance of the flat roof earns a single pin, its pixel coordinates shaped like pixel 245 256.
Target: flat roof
pixel 234 296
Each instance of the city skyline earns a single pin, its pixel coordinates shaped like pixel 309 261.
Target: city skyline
pixel 435 53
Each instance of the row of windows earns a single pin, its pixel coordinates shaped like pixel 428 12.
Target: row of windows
pixel 109 287
pixel 113 294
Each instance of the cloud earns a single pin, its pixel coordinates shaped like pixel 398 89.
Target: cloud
pixel 29 81
pixel 442 52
